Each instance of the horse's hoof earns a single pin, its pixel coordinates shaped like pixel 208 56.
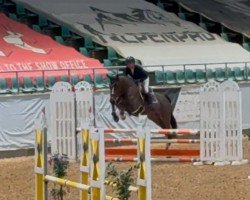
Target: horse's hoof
pixel 116 119
pixel 123 117
pixel 168 146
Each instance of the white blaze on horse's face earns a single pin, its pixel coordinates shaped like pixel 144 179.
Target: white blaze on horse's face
pixel 113 94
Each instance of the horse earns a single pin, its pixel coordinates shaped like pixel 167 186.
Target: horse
pixel 127 96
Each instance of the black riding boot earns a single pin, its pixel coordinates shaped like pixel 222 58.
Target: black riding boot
pixel 151 98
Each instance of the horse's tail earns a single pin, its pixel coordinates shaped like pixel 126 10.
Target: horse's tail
pixel 173 122
pixel 168 98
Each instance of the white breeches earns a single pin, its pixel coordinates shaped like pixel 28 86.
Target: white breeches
pixel 146 85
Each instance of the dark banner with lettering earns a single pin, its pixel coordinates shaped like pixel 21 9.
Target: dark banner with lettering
pixel 140 29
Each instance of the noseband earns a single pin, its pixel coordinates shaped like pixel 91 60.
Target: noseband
pixel 113 97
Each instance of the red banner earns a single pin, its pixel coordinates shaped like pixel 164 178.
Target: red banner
pixel 22 49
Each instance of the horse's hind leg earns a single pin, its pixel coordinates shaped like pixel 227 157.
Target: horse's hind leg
pixel 173 122
pixel 163 122
pixel 167 124
pixel 115 117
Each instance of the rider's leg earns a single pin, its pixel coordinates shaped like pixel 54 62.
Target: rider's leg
pixel 150 96
pixel 145 84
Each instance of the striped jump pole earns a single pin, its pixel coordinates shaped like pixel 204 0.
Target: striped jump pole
pixel 153 152
pixel 134 141
pixel 153 159
pixel 176 131
pixel 158 131
pixel 110 130
pixel 65 182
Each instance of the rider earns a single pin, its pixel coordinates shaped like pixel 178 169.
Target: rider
pixel 139 75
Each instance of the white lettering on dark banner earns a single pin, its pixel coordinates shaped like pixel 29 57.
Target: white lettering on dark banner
pixel 49 65
pixel 112 27
pixel 46 65
pixel 158 38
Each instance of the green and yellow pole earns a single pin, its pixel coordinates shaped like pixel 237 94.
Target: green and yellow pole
pixel 97 177
pixel 96 192
pixel 142 169
pixel 144 162
pixel 40 161
pixel 84 165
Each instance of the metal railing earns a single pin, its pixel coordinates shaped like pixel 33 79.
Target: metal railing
pixel 94 71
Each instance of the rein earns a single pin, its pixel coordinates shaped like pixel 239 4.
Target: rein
pixel 119 99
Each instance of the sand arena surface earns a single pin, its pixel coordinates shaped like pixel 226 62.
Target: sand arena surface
pixel 169 181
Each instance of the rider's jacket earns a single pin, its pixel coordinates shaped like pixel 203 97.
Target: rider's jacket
pixel 139 73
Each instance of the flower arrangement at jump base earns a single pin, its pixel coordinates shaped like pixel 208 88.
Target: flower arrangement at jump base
pixel 120 180
pixel 60 165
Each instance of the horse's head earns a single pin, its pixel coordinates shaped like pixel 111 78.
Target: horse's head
pixel 116 94
pixel 119 85
pixel 115 87
pixel 125 95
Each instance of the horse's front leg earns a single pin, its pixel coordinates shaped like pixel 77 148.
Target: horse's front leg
pixel 115 117
pixel 122 114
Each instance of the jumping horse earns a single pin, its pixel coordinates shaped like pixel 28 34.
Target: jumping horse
pixel 127 96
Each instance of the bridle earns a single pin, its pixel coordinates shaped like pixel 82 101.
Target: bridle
pixel 117 100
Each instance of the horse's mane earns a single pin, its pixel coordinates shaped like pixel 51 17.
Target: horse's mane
pixel 124 78
pixel 125 83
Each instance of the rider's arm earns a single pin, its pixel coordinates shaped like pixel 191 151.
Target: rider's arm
pixel 126 71
pixel 143 74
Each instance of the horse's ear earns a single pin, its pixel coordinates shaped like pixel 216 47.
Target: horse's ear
pixel 111 75
pixel 118 74
pixel 114 75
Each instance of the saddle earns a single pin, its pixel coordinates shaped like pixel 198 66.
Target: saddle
pixel 150 97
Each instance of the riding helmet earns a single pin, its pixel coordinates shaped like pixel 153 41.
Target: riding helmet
pixel 130 59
